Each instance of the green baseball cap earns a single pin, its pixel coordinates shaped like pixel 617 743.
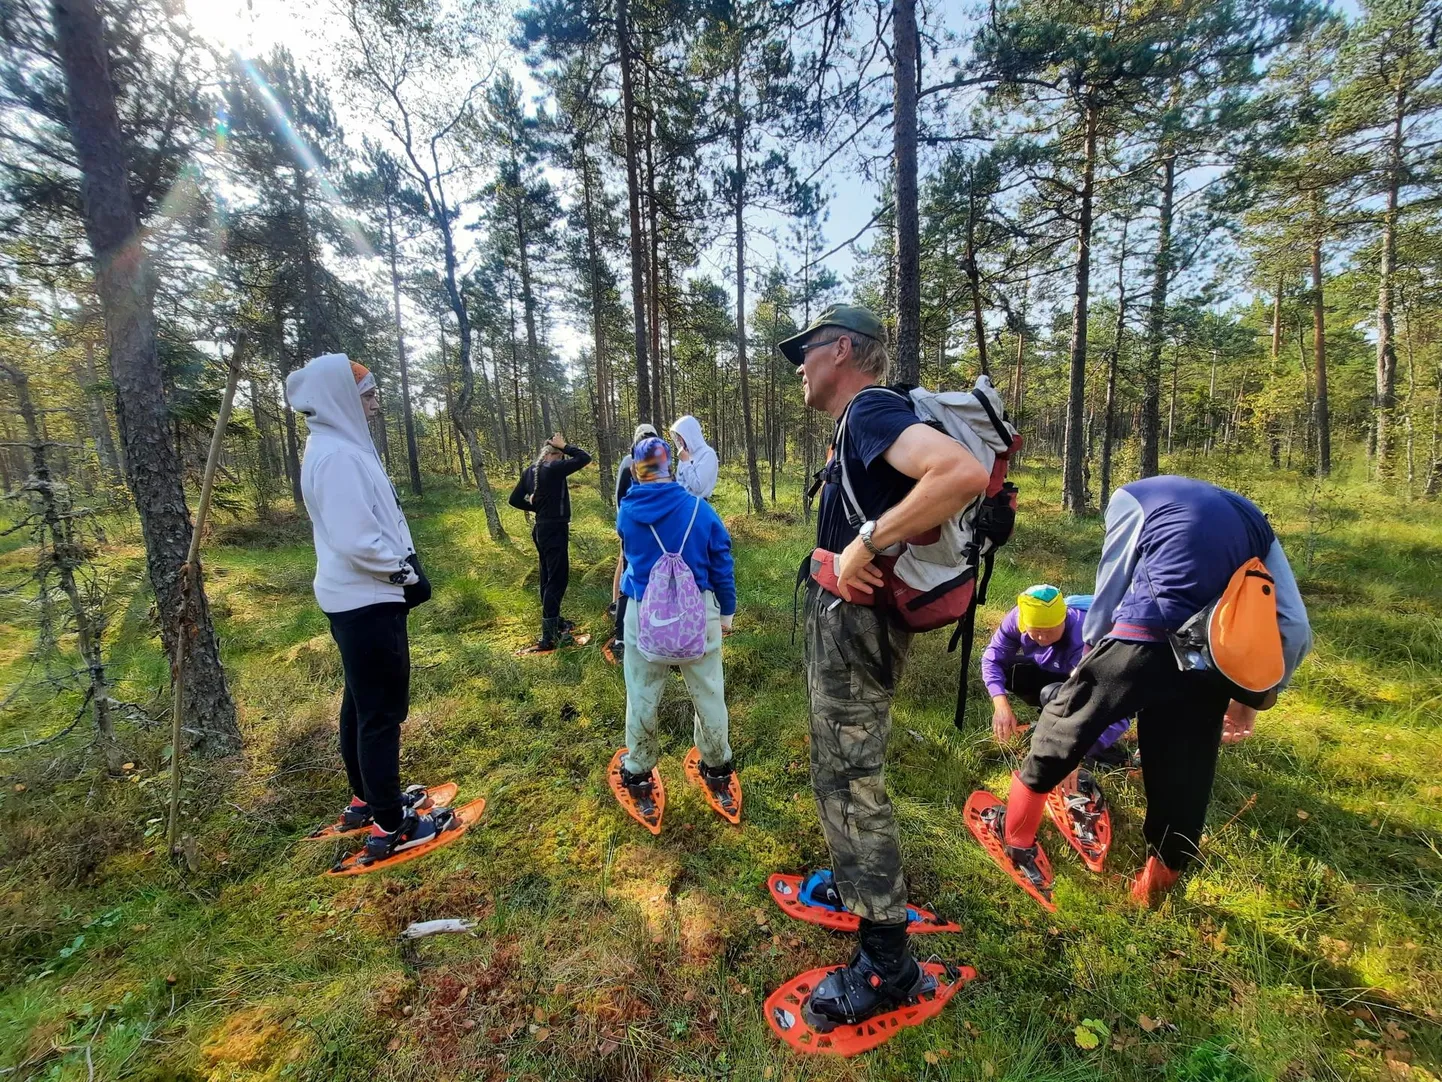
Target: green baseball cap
pixel 849 317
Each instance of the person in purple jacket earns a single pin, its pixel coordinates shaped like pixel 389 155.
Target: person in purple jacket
pixel 1172 544
pixel 1034 650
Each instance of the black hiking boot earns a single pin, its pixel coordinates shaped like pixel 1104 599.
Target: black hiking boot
pixel 1023 858
pixel 881 976
pixel 642 788
pixel 718 780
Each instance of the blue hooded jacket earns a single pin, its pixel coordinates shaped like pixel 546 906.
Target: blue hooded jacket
pixel 667 506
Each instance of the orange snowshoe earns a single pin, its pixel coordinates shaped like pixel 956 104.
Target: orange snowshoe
pixel 724 802
pixel 983 816
pixel 645 803
pixel 787 1014
pixel 456 822
pixel 800 898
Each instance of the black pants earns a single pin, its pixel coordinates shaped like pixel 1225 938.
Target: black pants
pixel 375 653
pixel 621 603
pixel 553 545
pixel 1179 731
pixel 1032 684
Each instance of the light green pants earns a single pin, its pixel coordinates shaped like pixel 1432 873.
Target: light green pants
pixel 646 680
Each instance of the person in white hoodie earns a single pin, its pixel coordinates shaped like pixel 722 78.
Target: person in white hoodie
pixel 367 577
pixel 697 466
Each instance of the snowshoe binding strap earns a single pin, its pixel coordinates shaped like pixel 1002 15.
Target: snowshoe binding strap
pixel 985 817
pixel 786 1010
pixel 643 801
pixel 819 890
pixel 721 786
pixel 1084 820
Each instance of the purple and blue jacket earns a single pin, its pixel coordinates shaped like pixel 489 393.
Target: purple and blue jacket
pixel 1172 544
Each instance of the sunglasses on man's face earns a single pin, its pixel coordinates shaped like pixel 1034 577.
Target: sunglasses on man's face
pixel 807 347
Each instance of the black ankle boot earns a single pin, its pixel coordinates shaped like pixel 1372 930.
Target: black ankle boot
pixel 881 977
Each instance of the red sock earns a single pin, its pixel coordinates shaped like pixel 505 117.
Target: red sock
pixel 1023 814
pixel 357 802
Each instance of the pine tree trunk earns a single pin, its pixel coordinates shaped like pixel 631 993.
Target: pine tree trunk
pixel 1157 324
pixel 605 435
pixel 528 311
pixel 413 458
pixel 973 277
pixel 638 256
pixel 753 474
pixel 1109 415
pixel 1386 401
pixel 908 229
pixel 1319 356
pixel 124 283
pixel 1073 470
pixel 1273 437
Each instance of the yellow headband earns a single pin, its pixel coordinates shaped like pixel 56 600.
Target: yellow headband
pixel 1040 608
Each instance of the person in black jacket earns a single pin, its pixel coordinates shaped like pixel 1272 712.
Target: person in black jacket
pixel 543 491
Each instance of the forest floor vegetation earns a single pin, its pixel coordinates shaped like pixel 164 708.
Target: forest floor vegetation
pixel 1308 945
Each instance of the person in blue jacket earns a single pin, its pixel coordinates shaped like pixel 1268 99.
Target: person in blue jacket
pixel 656 500
pixel 1172 544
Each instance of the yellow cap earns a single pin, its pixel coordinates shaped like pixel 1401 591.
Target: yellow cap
pixel 1039 608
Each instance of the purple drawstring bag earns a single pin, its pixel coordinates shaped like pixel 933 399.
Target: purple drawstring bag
pixel 671 623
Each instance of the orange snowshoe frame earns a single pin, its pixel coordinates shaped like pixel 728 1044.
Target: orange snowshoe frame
pixel 1093 856
pixel 693 773
pixel 465 817
pixel 785 890
pixel 623 796
pixel 784 1013
pixel 438 796
pixel 979 802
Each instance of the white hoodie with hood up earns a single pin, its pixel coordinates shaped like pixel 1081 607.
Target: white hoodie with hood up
pixel 361 536
pixel 697 476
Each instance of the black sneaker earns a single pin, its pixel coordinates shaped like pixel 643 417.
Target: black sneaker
pixel 415 829
pixel 1023 858
pixel 358 813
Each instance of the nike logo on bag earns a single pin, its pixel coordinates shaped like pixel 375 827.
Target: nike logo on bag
pixel 656 621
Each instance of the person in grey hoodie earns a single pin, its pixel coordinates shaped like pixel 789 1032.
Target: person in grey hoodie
pixel 367 577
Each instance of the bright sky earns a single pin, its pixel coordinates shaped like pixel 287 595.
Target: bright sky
pixel 254 27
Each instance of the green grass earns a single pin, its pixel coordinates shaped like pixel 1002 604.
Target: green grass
pixel 1307 946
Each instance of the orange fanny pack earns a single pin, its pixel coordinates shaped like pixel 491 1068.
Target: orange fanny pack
pixel 1238 636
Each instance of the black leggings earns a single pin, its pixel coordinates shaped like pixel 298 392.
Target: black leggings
pixel 553 546
pixel 375 653
pixel 1179 731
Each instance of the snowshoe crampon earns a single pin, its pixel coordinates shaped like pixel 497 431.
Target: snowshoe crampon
pixel 1084 820
pixel 981 802
pixel 436 796
pixel 648 809
pixel 457 822
pixel 727 806
pixel 786 1012
pixel 786 891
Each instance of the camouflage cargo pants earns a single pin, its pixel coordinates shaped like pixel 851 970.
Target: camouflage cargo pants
pixel 849 679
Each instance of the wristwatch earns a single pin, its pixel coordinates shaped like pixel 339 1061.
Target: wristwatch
pixel 867 529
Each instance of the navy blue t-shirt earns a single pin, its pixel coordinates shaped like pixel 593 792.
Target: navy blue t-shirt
pixel 873 424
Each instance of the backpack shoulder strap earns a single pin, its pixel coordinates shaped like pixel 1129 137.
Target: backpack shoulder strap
pixel 849 501
pixel 679 548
